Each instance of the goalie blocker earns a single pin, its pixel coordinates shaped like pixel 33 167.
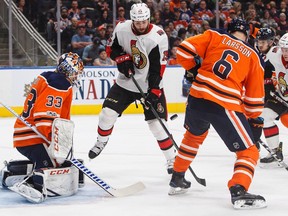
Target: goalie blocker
pixel 39 184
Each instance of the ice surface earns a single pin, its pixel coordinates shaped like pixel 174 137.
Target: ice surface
pixel 133 155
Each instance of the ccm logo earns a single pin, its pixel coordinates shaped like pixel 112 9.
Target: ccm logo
pixel 59 172
pixel 56 134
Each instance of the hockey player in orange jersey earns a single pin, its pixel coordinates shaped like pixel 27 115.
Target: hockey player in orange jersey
pixel 50 97
pixel 229 65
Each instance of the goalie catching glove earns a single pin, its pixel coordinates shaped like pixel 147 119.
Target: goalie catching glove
pixel 152 98
pixel 125 65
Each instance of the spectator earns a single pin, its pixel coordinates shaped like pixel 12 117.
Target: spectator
pixel 186 13
pixel 103 59
pixel 174 4
pixel 204 13
pixel 104 19
pixel 158 5
pixel 121 15
pixel 283 7
pixel 170 38
pixel 79 41
pixel 82 17
pixel 102 34
pixel 74 11
pixel 167 15
pixel 172 59
pixel 182 33
pixel 226 4
pixel 267 21
pixel 282 23
pixel 52 25
pixel 156 19
pixel 67 35
pixel 192 30
pixel 21 6
pixel 91 52
pixel 178 22
pixel 90 29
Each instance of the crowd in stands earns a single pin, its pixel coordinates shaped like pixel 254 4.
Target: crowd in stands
pixel 86 25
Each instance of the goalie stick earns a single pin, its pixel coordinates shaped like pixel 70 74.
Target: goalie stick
pixel 199 180
pixel 274 155
pixel 129 190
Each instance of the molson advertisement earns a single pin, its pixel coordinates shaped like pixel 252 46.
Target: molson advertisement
pixel 95 85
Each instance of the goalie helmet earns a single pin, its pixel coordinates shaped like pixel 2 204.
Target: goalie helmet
pixel 238 25
pixel 139 12
pixel 283 42
pixel 265 34
pixel 72 66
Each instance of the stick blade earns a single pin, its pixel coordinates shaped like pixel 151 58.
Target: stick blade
pixel 126 191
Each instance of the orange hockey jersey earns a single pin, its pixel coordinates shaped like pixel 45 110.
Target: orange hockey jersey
pixel 50 97
pixel 231 73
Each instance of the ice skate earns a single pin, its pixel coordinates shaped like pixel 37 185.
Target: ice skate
pixel 169 165
pixel 243 200
pixel 28 192
pixel 97 149
pixel 269 161
pixel 178 184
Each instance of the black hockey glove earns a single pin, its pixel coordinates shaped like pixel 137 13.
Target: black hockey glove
pixel 125 65
pixel 268 86
pixel 191 74
pixel 152 98
pixel 256 125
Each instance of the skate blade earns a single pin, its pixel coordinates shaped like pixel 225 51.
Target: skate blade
pixel 249 204
pixel 272 165
pixel 177 190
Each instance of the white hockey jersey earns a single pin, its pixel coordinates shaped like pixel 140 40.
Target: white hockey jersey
pixel 281 68
pixel 149 53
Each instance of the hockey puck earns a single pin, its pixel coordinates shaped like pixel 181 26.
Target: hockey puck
pixel 173 117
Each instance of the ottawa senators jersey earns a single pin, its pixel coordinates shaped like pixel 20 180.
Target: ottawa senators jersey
pixel 149 53
pixel 50 97
pixel 281 70
pixel 229 67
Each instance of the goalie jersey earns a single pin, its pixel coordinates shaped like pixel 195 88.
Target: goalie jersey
pixel 228 72
pixel 50 97
pixel 149 52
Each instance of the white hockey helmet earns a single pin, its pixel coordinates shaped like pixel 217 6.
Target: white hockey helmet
pixel 139 12
pixel 283 42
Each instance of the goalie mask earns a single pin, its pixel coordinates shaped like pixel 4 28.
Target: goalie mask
pixel 72 66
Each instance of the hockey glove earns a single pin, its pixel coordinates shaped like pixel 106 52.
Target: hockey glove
pixel 269 86
pixel 125 65
pixel 191 74
pixel 256 125
pixel 152 98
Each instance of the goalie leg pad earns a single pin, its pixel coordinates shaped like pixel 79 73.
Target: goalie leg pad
pixel 58 181
pixel 15 171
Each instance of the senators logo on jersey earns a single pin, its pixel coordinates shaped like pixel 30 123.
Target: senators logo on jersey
pixel 139 59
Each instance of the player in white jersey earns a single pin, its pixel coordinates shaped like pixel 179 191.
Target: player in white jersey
pixel 140 48
pixel 278 56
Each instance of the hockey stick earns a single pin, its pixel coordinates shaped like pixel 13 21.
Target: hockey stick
pixel 274 155
pixel 279 99
pixel 199 180
pixel 134 188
